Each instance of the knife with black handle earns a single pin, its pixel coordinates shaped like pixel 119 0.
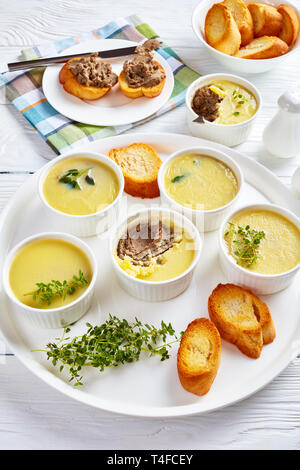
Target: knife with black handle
pixel 29 64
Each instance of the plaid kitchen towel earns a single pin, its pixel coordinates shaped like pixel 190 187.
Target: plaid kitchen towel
pixel 25 91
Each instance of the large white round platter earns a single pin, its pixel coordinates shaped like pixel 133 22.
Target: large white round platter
pixel 114 108
pixel 150 387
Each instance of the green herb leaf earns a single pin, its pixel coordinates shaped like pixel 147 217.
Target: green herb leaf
pixel 178 178
pixel 46 293
pixel 246 242
pixel 111 344
pixel 236 113
pixel 72 176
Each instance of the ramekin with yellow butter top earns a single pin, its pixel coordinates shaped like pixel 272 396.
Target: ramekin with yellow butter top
pixel 222 108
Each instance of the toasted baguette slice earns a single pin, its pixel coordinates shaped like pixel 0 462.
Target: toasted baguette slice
pixel 290 24
pixel 221 30
pixel 199 356
pixel 243 19
pixel 140 164
pixel 149 92
pixel 265 47
pixel 241 318
pixel 72 86
pixel 267 21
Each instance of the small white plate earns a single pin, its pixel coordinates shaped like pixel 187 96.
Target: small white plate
pixel 114 108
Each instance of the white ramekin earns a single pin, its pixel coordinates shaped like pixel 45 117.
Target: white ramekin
pixel 204 220
pixel 259 283
pixel 90 224
pixel 237 64
pixel 52 317
pixel 149 290
pixel 226 134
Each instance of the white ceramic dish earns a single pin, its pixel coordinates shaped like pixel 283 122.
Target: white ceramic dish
pixel 235 63
pixel 114 108
pixel 52 317
pixel 90 224
pixel 261 284
pixel 164 290
pixel 232 134
pixel 206 220
pixel 149 387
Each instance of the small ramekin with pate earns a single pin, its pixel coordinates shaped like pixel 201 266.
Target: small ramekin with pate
pixel 82 192
pixel 202 184
pixel 222 108
pixel 260 247
pixel 154 253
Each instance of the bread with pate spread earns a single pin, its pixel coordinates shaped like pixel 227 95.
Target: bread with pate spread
pixel 87 78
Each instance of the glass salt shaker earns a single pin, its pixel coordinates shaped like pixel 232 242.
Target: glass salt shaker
pixel 281 136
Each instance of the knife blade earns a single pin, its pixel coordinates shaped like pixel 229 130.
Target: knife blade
pixel 29 64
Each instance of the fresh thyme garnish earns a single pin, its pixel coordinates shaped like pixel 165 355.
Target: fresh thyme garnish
pixel 246 242
pixel 46 293
pixel 72 176
pixel 113 343
pixel 178 178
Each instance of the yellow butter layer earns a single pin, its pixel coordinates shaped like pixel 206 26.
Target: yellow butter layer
pixel 44 261
pixel 170 264
pixel 200 182
pixel 90 198
pixel 238 103
pixel 279 251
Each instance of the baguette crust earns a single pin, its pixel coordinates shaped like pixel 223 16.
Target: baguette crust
pixel 221 30
pixel 267 21
pixel 72 86
pixel 149 92
pixel 199 356
pixel 139 164
pixel 290 24
pixel 241 318
pixel 265 47
pixel 243 19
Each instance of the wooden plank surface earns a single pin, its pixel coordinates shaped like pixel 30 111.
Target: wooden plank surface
pixel 33 415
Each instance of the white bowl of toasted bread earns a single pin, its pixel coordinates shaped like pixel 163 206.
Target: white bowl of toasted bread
pixel 248 37
pixel 222 183
pixel 260 247
pixel 236 121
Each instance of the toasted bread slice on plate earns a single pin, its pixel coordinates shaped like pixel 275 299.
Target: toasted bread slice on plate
pixel 265 47
pixel 243 19
pixel 72 86
pixel 149 92
pixel 221 30
pixel 267 21
pixel 140 164
pixel 241 318
pixel 290 24
pixel 199 356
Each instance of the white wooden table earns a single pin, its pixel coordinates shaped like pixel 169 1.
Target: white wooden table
pixel 34 416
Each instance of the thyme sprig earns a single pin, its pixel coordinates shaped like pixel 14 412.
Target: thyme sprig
pixel 46 293
pixel 113 343
pixel 246 243
pixel 72 176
